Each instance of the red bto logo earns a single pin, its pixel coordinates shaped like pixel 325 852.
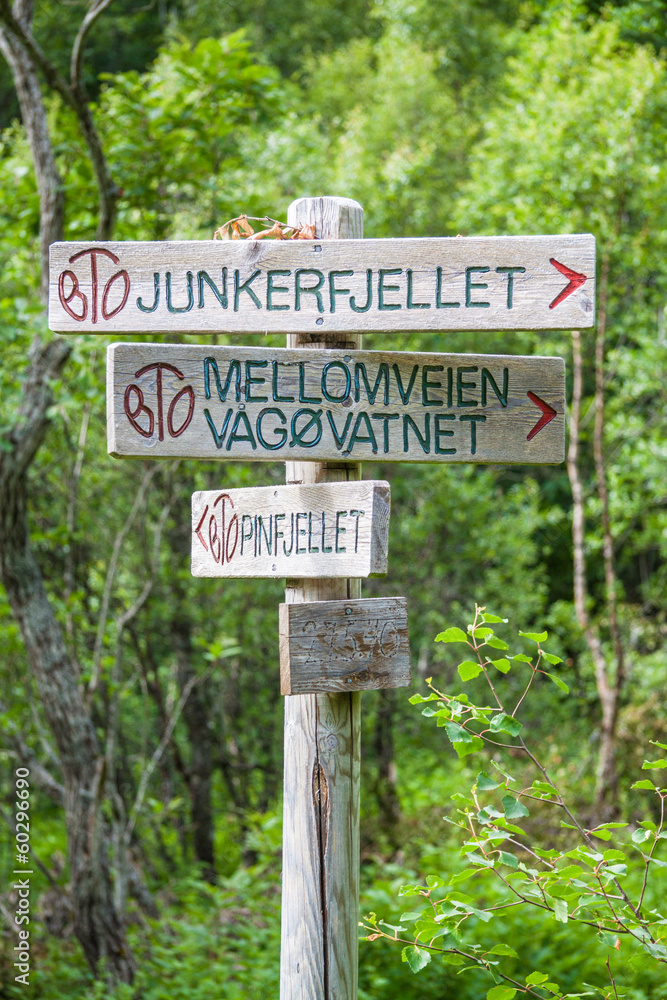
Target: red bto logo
pixel 221 545
pixel 135 405
pixel 115 290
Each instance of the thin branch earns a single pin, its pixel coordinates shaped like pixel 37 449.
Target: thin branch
pixel 111 572
pixel 97 7
pixel 157 756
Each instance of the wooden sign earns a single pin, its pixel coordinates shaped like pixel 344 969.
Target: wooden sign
pixel 268 404
pixel 344 645
pixel 327 530
pixel 262 286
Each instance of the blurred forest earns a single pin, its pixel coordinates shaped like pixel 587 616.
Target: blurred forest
pixel 146 703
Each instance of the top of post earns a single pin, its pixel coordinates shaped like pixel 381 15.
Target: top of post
pixel 334 218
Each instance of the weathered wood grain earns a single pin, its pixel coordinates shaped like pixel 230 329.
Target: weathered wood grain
pixel 320 903
pixel 326 530
pixel 262 404
pixel 247 286
pixel 344 645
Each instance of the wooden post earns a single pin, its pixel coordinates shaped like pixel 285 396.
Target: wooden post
pixel 320 902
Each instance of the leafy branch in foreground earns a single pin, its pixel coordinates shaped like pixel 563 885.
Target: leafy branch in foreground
pixel 581 884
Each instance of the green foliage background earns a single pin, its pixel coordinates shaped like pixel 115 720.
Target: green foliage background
pixel 471 117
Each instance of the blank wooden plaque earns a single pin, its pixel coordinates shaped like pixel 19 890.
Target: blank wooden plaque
pixel 355 645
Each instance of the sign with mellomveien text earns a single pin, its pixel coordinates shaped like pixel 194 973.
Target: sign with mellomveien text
pixel 270 404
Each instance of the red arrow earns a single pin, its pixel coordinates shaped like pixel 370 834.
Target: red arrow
pixel 548 413
pixel 576 281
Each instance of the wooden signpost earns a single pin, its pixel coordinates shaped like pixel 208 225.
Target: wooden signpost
pixel 268 286
pixel 344 645
pixel 170 401
pixel 323 405
pixel 328 530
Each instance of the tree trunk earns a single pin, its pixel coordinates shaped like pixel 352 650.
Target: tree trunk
pixel 97 924
pixel 385 787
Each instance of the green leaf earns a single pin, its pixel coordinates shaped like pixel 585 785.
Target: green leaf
pixel 558 682
pixel 503 665
pixel 464 749
pixel 502 723
pixel 509 860
pixel 654 763
pixel 469 669
pixel 463 876
pixel 639 836
pixel 417 958
pixel 482 632
pixel 435 881
pixel 501 993
pixel 496 643
pixel 522 658
pixel 644 784
pixel 494 619
pixel 513 808
pixel 550 658
pixel 485 782
pixel 503 949
pixel 663 746
pixel 456 733
pixel 536 978
pixel 452 635
pixel 451 958
pixel 560 909
pixel 535 636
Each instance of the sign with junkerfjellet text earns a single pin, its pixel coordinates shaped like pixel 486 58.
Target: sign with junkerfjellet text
pixel 264 286
pixel 268 404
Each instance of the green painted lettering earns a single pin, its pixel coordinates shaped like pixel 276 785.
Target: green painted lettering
pixel 426 385
pixel 474 419
pixel 382 288
pixel 410 303
pixel 302 386
pixel 271 288
pixel 299 532
pixel 156 295
pixel 348 379
pixel 461 385
pixel 470 284
pixel 339 438
pixel 279 432
pixel 488 377
pixel 221 296
pixel 369 294
pixel 366 438
pixel 340 530
pixel 424 441
pixel 244 286
pixel 439 304
pixel 383 372
pixel 234 368
pixel 386 417
pixel 241 417
pixel 251 380
pixel 333 291
pixel 439 432
pixel 405 393
pixel 218 438
pixel 299 290
pixel 276 397
pixel 191 298
pixel 510 272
